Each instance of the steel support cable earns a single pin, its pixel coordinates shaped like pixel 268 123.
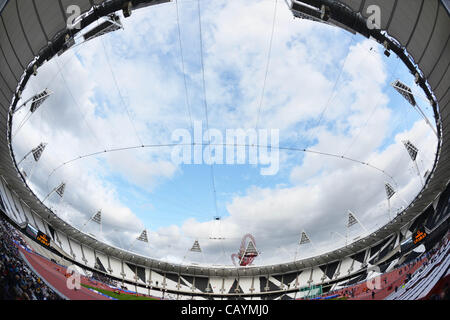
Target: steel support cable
pixel 106 151
pixel 59 72
pixel 222 145
pixel 213 182
pixel 119 91
pixel 59 68
pixel 188 105
pixel 48 83
pixel 341 71
pixel 371 114
pixel 225 145
pixel 269 54
pixel 21 124
pixel 405 125
pixel 177 203
pixel 77 105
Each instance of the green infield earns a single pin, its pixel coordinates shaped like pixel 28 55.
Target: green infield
pixel 123 296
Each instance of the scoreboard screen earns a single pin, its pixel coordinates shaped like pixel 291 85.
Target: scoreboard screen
pixel 419 236
pixel 415 240
pixel 43 238
pixel 38 235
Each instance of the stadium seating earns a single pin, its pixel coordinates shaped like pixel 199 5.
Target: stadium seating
pixel 426 277
pixel 17 280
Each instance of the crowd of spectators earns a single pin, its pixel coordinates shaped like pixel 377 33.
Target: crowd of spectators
pixel 428 257
pixel 17 281
pixel 103 278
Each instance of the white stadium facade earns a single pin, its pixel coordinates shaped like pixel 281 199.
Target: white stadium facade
pixel 32 32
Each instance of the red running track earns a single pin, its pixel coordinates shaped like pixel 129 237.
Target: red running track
pixel 55 276
pixel 387 284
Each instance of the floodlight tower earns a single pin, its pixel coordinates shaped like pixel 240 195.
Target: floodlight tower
pixel 352 220
pixel 389 194
pixel 59 190
pixel 407 93
pixel 412 151
pixel 37 153
pixel 195 249
pixel 143 237
pixel 247 252
pixel 97 218
pixel 304 239
pixel 36 101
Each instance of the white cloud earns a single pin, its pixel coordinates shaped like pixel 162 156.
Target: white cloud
pixel 306 62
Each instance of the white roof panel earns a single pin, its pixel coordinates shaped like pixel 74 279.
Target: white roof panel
pixel 404 19
pixel 12 24
pixel 424 29
pixel 31 25
pixel 437 43
pixel 52 16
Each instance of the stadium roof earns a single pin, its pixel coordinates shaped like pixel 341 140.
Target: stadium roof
pixel 30 29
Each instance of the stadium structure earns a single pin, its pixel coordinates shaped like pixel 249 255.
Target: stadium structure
pixel 417 31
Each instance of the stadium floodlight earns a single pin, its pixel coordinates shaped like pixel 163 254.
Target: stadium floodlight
pixel 352 220
pixel 196 247
pixel 389 194
pixel 250 251
pixel 111 24
pixel 36 152
pixel 251 248
pixel 37 101
pixel 407 93
pixel 389 190
pixel 412 151
pixel 58 190
pixel 143 237
pixel 304 239
pixel 97 218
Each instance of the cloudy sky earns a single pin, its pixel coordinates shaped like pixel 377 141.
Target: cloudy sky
pixel 322 88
